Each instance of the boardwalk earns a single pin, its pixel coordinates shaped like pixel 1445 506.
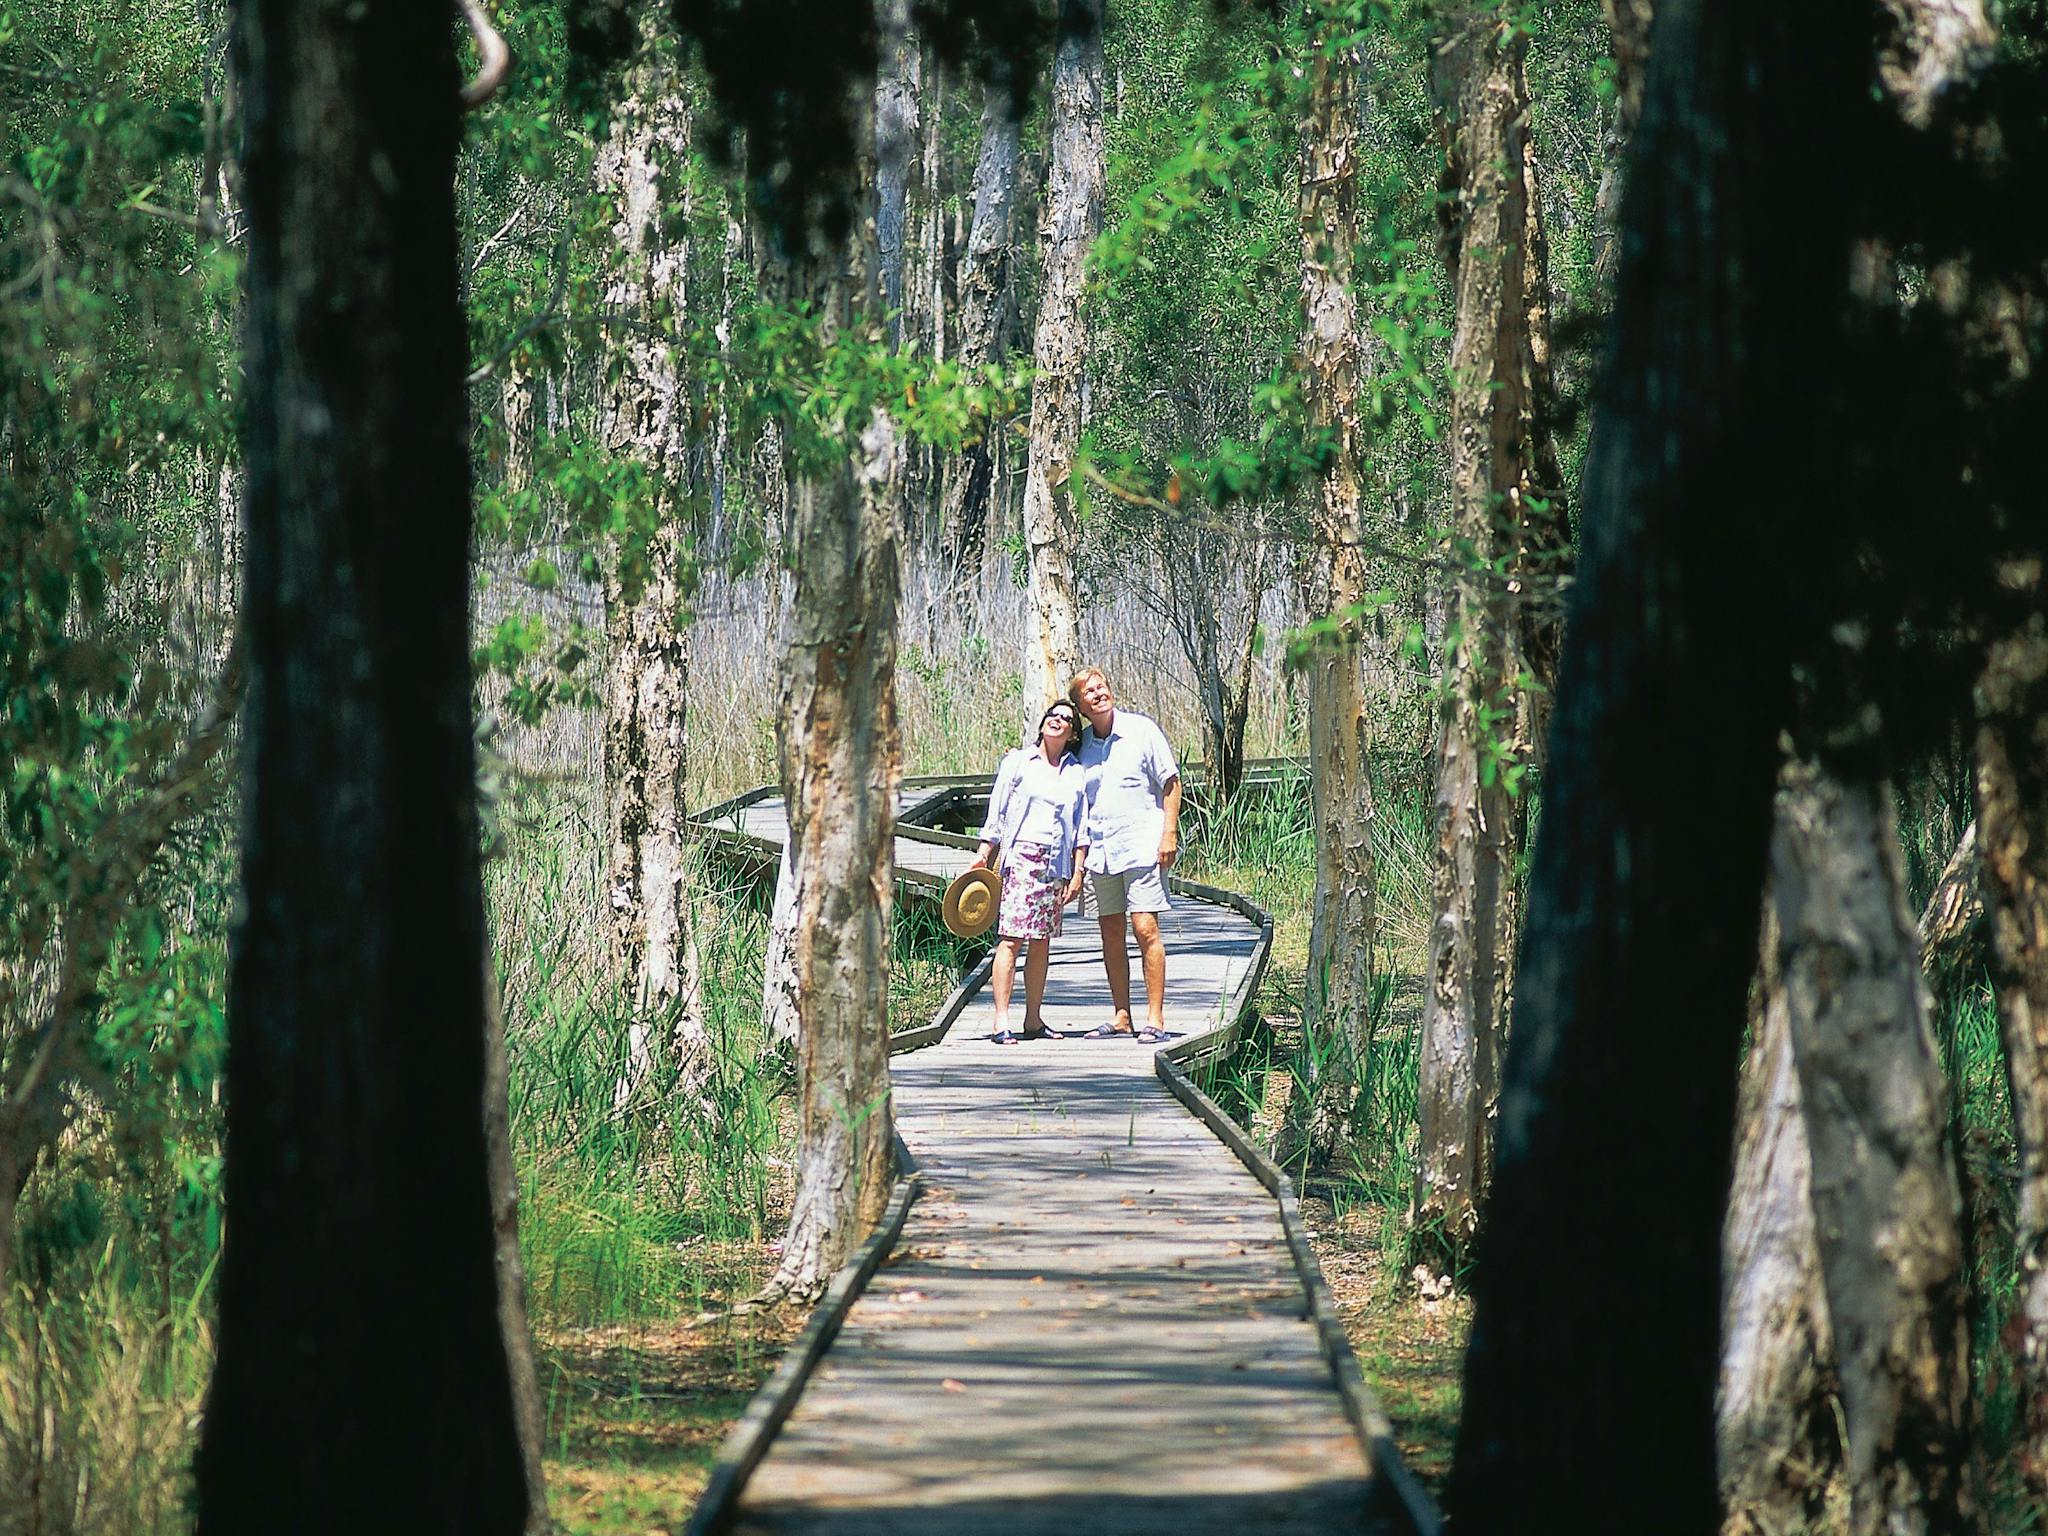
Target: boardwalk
pixel 1091 1320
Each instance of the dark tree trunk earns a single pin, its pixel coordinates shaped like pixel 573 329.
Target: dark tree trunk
pixel 361 1382
pixel 1590 1376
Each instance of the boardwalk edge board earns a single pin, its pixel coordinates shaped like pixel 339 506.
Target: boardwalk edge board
pixel 777 1399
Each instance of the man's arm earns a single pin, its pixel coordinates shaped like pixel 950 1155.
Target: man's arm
pixel 1169 837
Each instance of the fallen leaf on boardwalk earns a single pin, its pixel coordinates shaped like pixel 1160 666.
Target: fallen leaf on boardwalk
pixel 910 1296
pixel 953 1386
pixel 1038 1279
pixel 1127 1200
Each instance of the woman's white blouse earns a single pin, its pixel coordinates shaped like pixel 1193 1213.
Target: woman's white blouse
pixel 1035 802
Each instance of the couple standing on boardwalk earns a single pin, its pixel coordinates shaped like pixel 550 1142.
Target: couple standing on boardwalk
pixel 1089 811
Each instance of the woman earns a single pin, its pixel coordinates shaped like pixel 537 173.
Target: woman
pixel 1034 823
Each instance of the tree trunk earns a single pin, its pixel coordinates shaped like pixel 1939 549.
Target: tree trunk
pixel 841 752
pixel 1778 1448
pixel 646 417
pixel 2012 816
pixel 779 1012
pixel 983 313
pixel 1071 221
pixel 356 1160
pixel 1618 1100
pixel 841 763
pixel 1954 913
pixel 1337 992
pixel 528 1409
pixel 896 132
pixel 1628 25
pixel 1887 1210
pixel 1504 503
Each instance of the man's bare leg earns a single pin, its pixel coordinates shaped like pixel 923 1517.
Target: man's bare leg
pixel 1116 964
pixel 1152 955
pixel 1002 978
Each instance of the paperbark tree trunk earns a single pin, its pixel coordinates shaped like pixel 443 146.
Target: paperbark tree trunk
pixel 840 753
pixel 1505 504
pixel 1778 1447
pixel 1950 922
pixel 1337 992
pixel 983 320
pixel 896 134
pixel 2012 815
pixel 1071 221
pixel 1618 1100
pixel 646 417
pixel 1887 1208
pixel 357 1166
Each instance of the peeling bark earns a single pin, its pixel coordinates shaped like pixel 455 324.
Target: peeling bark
pixel 841 759
pixel 983 318
pixel 1071 221
pixel 1506 544
pixel 896 131
pixel 2012 813
pixel 1778 1449
pixel 1886 1204
pixel 1337 991
pixel 646 416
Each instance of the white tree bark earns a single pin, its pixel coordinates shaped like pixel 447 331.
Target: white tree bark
pixel 1775 1431
pixel 646 416
pixel 983 316
pixel 1072 218
pixel 1887 1208
pixel 1337 991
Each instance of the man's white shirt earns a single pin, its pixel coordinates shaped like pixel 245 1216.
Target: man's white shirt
pixel 1127 774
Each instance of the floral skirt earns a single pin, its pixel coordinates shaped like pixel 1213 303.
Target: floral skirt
pixel 1031 893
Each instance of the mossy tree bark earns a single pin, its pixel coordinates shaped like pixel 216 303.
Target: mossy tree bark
pixel 648 918
pixel 1337 992
pixel 357 1168
pixel 1506 547
pixel 1071 221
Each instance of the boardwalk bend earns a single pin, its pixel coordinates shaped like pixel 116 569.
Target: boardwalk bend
pixel 1091 1305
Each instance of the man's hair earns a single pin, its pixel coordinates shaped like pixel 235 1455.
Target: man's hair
pixel 1080 677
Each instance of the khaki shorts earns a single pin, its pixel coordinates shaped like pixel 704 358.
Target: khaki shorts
pixel 1134 890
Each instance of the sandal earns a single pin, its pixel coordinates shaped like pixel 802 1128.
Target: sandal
pixel 1110 1032
pixel 1043 1032
pixel 1003 1037
pixel 1151 1035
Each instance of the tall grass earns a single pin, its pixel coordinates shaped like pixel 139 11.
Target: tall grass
pixel 629 1211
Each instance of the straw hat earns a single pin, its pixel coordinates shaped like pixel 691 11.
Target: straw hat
pixel 971 902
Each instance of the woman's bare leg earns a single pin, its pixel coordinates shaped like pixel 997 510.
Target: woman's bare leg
pixel 1002 977
pixel 1036 959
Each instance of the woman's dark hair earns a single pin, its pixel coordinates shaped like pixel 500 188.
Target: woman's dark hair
pixel 1071 715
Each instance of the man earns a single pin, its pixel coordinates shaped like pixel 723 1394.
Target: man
pixel 1133 834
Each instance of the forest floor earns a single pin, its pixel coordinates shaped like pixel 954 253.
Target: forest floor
pixel 636 1413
